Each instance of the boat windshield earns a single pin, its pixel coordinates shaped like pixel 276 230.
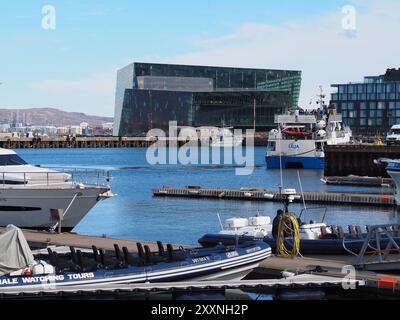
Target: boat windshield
pixel 11 160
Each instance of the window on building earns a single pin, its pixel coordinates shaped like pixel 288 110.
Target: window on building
pixel 370 88
pixel 363 122
pixel 363 105
pixel 350 106
pixel 342 89
pixel 381 105
pixel 344 105
pixel 390 87
pixel 372 105
pixel 379 113
pixel 372 113
pixel 363 113
pixel 392 105
pixel 371 121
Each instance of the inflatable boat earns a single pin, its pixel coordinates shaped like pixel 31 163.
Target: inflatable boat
pixel 21 269
pixel 322 246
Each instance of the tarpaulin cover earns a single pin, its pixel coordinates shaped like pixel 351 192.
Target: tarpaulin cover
pixel 15 253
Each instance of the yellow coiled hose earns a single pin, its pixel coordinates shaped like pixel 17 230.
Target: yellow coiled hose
pixel 288 226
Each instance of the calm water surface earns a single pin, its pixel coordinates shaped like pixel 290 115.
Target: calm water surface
pixel 135 214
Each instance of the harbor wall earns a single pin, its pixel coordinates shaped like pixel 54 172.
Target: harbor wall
pixel 344 160
pixel 92 142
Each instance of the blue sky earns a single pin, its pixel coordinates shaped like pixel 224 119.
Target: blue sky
pixel 73 67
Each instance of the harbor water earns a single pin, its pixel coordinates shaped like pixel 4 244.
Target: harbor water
pixel 135 214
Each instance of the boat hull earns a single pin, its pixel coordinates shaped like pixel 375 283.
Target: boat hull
pixel 274 162
pixel 30 207
pixel 232 264
pixel 307 246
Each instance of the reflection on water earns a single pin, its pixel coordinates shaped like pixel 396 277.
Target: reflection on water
pixel 135 214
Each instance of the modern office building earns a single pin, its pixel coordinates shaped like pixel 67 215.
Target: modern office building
pixel 370 107
pixel 150 95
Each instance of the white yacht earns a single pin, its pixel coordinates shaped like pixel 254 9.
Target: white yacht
pixel 219 137
pixel 30 195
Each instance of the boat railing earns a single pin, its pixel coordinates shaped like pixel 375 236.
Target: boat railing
pixel 60 175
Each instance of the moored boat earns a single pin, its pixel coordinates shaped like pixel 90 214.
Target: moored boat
pixel 30 195
pixel 82 268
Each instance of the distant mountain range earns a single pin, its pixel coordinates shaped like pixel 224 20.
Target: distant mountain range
pixel 50 117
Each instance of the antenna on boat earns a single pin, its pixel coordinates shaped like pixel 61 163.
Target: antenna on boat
pixel 301 190
pixel 220 222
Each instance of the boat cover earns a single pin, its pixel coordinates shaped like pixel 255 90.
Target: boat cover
pixel 15 253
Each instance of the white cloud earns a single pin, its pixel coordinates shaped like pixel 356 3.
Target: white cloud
pixel 319 46
pixel 91 94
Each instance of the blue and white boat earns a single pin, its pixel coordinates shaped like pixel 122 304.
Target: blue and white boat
pixel 393 169
pixel 299 140
pixel 24 271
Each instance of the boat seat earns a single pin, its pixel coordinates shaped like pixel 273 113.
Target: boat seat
pixel 174 255
pixel 334 230
pixel 161 251
pixel 358 232
pixel 323 232
pixel 140 250
pixel 351 229
pixel 340 232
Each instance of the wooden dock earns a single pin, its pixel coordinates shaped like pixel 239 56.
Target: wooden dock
pixel 81 241
pixel 338 198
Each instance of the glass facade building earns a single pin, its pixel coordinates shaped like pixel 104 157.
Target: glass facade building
pixel 370 107
pixel 150 95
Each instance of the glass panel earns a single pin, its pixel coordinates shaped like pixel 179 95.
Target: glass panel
pixel 370 88
pixel 381 105
pixel 343 89
pixel 363 105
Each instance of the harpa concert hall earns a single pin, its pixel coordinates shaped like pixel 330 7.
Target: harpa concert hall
pixel 149 95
